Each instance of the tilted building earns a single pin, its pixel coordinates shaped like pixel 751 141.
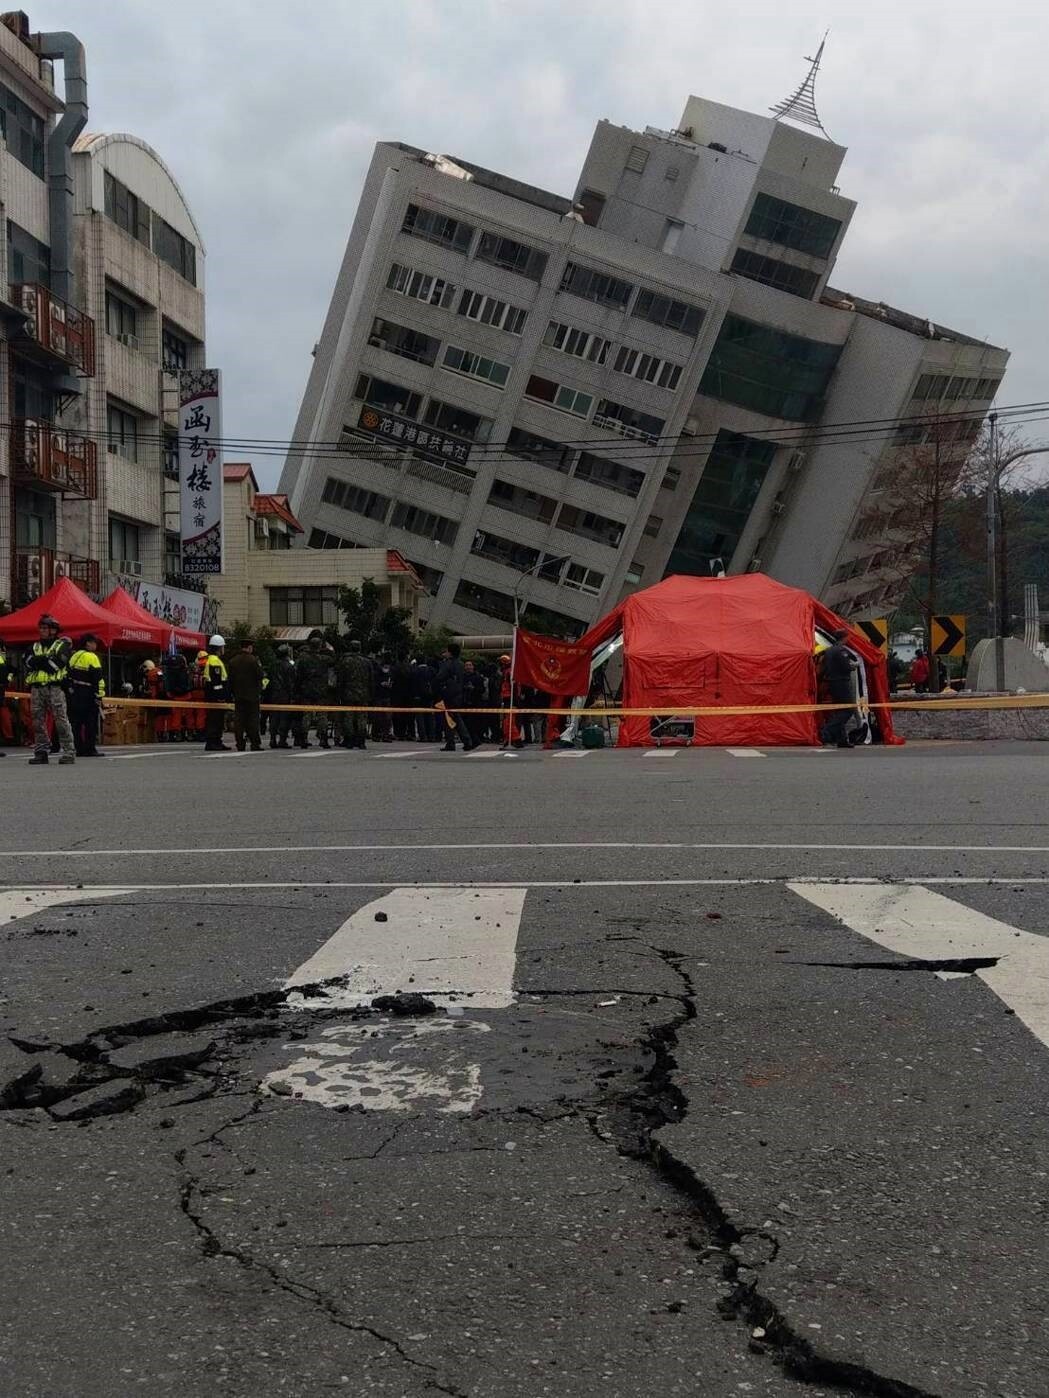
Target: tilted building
pixel 545 402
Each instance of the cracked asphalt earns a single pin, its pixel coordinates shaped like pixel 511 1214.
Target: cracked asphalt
pixel 714 1142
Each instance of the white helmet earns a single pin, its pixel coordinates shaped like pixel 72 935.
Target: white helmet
pixel 216 640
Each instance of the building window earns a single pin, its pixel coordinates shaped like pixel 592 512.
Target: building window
pixel 653 525
pixel 322 539
pixel 304 606
pixel 507 551
pixel 476 366
pixel 403 340
pixel 125 543
pixel 611 475
pixel 477 598
pixel 583 579
pixel 171 247
pixel 174 350
pixel 647 367
pixel 437 228
pixel 345 496
pixel 172 555
pixel 732 477
pixel 420 286
pixel 591 285
pixel 28 260
pixel 671 477
pixel 431 577
pixel 394 397
pixel 126 210
pixel 169 459
pixel 664 310
pixel 522 502
pixel 513 256
pixel 121 318
pixel 458 421
pixel 568 400
pixel 23 130
pixel 122 433
pixel 590 526
pixel 628 422
pixel 792 226
pixel 592 206
pixel 634 574
pixel 939 386
pixel 32 395
pixel 430 526
pixel 769 371
pixel 488 310
pixel 637 159
pixel 521 442
pixel 581 344
pixel 798 281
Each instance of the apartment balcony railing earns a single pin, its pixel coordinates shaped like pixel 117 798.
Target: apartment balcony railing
pixel 50 458
pixel 37 569
pixel 56 329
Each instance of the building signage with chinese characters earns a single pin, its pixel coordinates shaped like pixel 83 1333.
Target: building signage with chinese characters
pixel 190 611
pixel 200 470
pixel 438 445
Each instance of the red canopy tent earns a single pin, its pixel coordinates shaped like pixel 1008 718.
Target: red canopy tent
pixel 76 614
pixel 124 605
pixel 744 641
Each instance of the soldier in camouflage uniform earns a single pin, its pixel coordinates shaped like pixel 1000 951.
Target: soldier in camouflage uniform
pixel 313 686
pixel 354 684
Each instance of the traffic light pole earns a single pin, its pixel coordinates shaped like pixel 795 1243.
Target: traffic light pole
pixel 992 559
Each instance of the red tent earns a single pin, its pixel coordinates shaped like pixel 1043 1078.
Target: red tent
pixel 124 605
pixel 75 613
pixel 742 641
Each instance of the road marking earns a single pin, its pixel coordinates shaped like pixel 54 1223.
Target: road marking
pixel 745 752
pixel 320 752
pixel 449 943
pixel 423 1065
pixel 497 753
pixel 223 850
pixel 386 756
pixel 780 881
pixel 662 752
pixel 916 922
pixel 24 902
pixel 574 752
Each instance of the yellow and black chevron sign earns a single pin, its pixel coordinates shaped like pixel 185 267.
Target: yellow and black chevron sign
pixel 876 629
pixel 947 635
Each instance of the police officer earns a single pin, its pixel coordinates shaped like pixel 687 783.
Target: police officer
pixel 45 675
pixel 354 682
pixel 839 671
pixel 246 686
pixel 216 691
pixel 312 683
pixel 281 690
pixel 86 688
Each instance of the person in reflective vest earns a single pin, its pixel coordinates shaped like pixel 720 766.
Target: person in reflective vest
pixel 86 688
pixel 5 680
pixel 216 691
pixel 46 672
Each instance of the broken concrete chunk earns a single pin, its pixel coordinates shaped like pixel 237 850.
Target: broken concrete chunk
pixel 410 1003
pixel 59 1076
pixel 103 1100
pixel 17 1071
pixel 161 1054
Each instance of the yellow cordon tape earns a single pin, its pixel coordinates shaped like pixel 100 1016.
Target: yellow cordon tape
pixel 933 704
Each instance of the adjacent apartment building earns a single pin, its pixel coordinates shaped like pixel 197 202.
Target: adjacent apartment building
pixel 102 298
pixel 546 402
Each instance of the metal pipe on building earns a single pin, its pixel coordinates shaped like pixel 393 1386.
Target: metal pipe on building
pixel 67 47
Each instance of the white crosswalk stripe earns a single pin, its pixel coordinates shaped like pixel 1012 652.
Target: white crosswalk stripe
pixel 662 752
pixel 745 752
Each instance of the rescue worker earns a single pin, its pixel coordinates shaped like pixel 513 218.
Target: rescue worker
pixel 451 676
pixel 281 690
pixel 196 719
pixel 176 685
pixel 86 687
pixel 839 673
pixel 216 691
pixel 46 673
pixel 312 685
pixel 511 726
pixel 245 686
pixel 354 686
pixel 5 680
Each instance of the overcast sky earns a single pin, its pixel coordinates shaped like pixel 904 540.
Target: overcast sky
pixel 267 113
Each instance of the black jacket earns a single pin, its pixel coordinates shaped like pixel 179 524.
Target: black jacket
pixel 245 678
pixel 839 666
pixel 422 683
pixel 450 678
pixel 475 690
pixel 282 681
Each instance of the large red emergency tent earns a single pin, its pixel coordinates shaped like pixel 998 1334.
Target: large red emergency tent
pixel 76 614
pixel 734 642
pixel 124 605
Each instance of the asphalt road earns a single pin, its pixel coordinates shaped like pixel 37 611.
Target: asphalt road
pixel 734 1080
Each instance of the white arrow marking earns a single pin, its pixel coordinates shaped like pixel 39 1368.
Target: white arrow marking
pixel 454 945
pixel 916 922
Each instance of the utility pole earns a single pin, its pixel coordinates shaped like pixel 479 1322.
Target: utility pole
pixel 992 559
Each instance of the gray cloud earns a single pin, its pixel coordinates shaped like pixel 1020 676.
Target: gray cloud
pixel 267 114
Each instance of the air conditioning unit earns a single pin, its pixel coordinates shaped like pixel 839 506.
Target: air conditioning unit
pixel 754 566
pixel 778 508
pixel 131 567
pixel 796 462
pixel 61 569
pixel 130 340
pixel 30 570
pixel 691 427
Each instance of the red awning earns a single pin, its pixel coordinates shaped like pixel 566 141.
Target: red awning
pixel 76 614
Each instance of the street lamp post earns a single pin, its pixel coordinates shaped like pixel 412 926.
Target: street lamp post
pixel 995 604
pixel 528 573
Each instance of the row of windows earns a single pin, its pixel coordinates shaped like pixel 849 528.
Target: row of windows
pixel 23 130
pixel 583 344
pixel 475 305
pixel 556 569
pixel 954 386
pixel 569 461
pixel 122 320
pixel 476 366
pixel 804 230
pixel 562 396
pixel 304 606
pixel 770 271
pixel 371 505
pixel 489 601
pixel 135 216
pixel 321 539
pixel 28 259
pixel 769 371
pixel 530 504
pixel 589 283
pixel 395 398
pixel 732 477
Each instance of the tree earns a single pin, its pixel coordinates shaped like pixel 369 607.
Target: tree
pixel 261 636
pixel 368 618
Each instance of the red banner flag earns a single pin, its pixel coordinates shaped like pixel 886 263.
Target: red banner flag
pixel 555 667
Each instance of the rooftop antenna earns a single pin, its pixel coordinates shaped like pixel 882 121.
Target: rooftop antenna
pixel 800 106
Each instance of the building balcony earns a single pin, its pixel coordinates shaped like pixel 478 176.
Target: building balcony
pixel 49 458
pixel 37 569
pixel 54 331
